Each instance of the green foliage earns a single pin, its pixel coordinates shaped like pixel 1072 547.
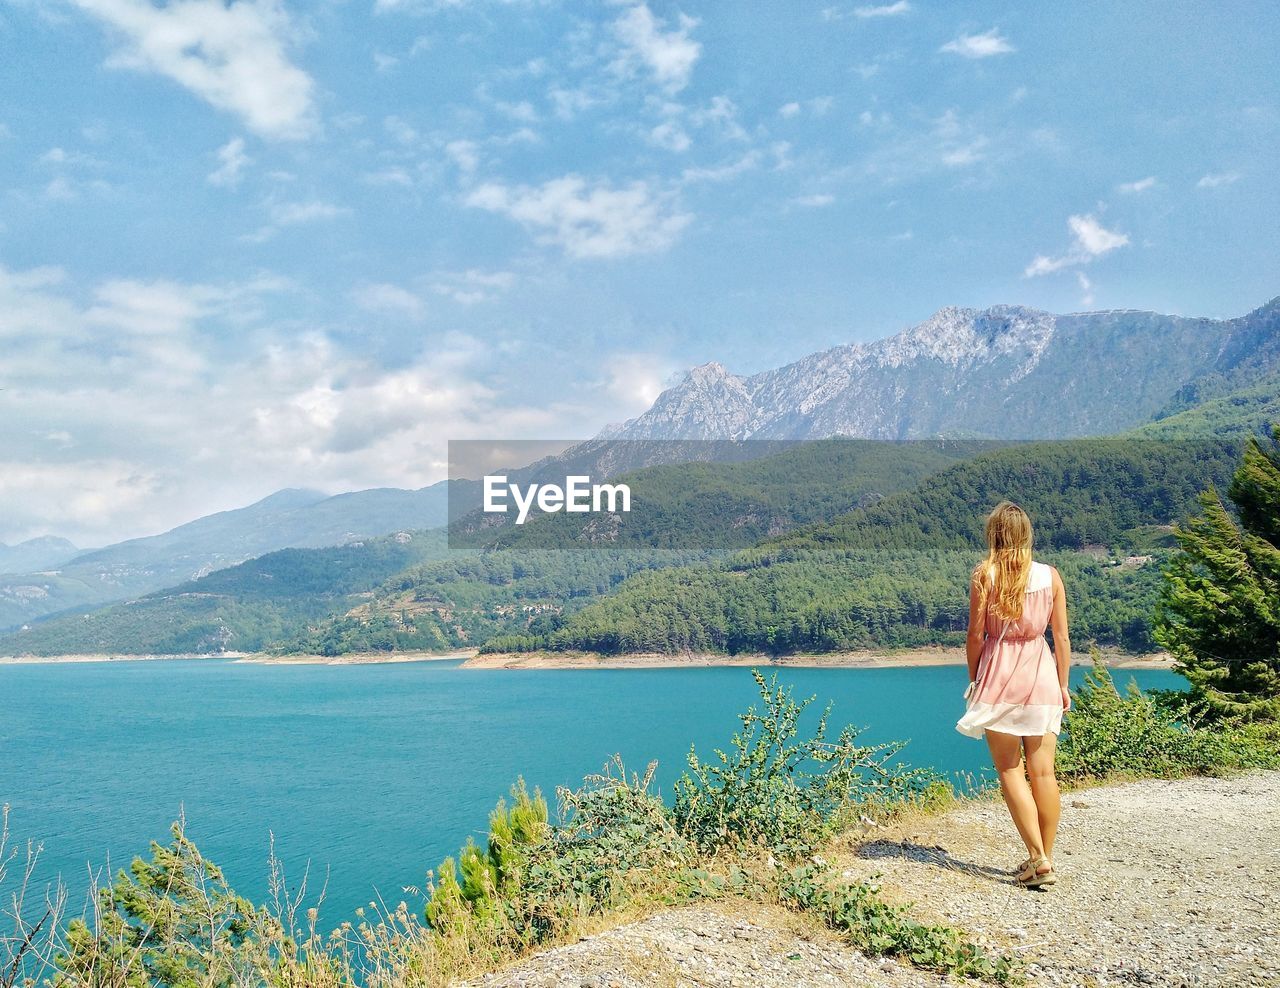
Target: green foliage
pixel 1157 733
pixel 1219 613
pixel 492 875
pixel 782 791
pixel 173 922
pixel 875 927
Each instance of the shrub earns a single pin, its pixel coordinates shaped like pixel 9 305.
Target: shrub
pixel 173 922
pixel 492 877
pixel 1159 733
pixel 787 794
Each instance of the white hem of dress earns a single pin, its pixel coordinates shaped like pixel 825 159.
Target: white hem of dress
pixel 1023 719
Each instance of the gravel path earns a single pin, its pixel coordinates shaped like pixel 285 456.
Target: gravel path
pixel 1160 883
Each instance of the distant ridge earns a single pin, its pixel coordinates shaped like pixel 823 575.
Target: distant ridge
pixel 1003 372
pixel 291 518
pixel 35 554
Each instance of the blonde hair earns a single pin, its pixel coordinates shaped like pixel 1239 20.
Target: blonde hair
pixel 1005 571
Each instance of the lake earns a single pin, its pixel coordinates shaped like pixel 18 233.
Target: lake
pixel 377 772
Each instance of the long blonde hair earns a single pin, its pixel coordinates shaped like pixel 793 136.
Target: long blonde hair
pixel 1005 571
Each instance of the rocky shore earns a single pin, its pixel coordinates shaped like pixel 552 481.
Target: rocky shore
pixel 874 659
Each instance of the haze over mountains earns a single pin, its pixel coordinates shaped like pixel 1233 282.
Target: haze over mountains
pixel 1003 372
pixel 36 554
pixel 287 519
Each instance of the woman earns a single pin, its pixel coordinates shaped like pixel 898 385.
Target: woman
pixel 1017 685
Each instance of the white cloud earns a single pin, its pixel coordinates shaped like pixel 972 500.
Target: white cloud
pixel 1093 237
pixel 968 154
pixel 1139 186
pixel 887 10
pixel 670 135
pixel 636 379
pixel 284 214
pixel 81 496
pixel 60 189
pixel 389 176
pixel 818 106
pixel 61 156
pixel 401 130
pixel 155 308
pixel 1217 180
pixel 231 163
pixel 159 401
pixel 291 213
pixel 1086 288
pixel 472 285
pixel 720 173
pixel 588 219
pixel 464 154
pixel 1091 240
pixel 233 56
pixel 569 103
pixel 668 55
pixel 817 199
pixel 979 45
pixel 720 113
pixel 388 299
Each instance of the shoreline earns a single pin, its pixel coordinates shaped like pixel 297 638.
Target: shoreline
pixel 253 658
pixel 472 659
pixel 864 659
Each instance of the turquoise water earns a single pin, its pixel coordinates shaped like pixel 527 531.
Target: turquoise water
pixel 376 772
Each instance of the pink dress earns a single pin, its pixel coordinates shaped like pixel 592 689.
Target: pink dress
pixel 1018 690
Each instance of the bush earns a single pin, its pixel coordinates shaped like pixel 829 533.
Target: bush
pixel 1161 733
pixel 614 839
pixel 783 793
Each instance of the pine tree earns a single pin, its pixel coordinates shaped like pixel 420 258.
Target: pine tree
pixel 1219 612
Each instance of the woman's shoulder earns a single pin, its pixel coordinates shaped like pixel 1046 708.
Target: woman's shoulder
pixel 1041 576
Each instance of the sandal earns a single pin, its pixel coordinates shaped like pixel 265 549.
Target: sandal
pixel 1030 875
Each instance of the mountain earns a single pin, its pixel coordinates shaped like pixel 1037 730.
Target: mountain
pixel 240 608
pixel 403 592
pixel 288 518
pixel 1007 372
pixel 35 554
pixel 896 572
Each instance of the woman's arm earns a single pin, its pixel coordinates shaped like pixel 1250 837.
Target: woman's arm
pixel 1061 640
pixel 977 623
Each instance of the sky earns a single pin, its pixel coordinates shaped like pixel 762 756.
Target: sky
pixel 264 244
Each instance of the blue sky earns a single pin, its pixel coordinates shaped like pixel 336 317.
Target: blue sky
pixel 264 244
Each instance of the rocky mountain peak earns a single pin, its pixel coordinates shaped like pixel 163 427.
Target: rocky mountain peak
pixel 970 372
pixel 711 372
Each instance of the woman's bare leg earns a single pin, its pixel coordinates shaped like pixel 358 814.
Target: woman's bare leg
pixel 1044 786
pixel 1006 755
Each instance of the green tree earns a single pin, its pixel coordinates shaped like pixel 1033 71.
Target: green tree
pixel 173 923
pixel 1219 612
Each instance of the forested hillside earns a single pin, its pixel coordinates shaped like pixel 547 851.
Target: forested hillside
pixel 896 573
pixel 242 608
